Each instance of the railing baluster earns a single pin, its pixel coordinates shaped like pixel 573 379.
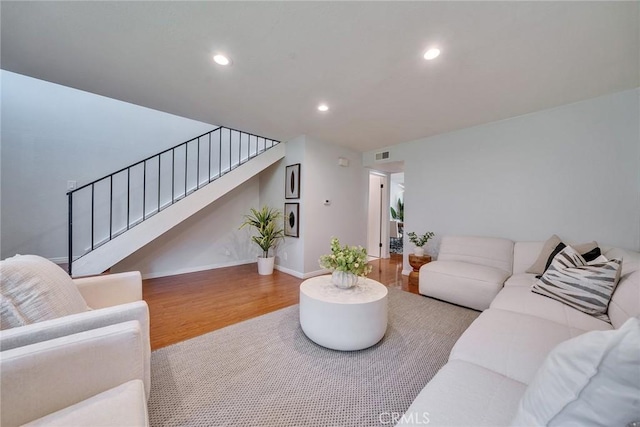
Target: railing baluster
pixel 229 150
pixel 110 207
pixel 209 176
pixel 128 197
pixel 239 148
pixel 159 166
pixel 198 167
pixel 186 165
pixel 70 237
pixel 144 190
pixel 92 211
pixel 220 153
pixel 173 175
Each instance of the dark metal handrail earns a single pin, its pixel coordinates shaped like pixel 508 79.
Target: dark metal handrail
pixel 267 143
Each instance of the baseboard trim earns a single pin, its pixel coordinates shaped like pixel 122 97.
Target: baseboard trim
pixel 155 275
pixel 300 275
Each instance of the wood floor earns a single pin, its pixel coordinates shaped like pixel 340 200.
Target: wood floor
pixel 188 305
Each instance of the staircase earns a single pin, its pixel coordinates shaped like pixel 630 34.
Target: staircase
pixel 112 217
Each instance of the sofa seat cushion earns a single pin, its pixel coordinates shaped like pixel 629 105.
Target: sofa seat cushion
pixel 510 343
pixel 124 405
pixel 465 394
pixel 522 279
pixel 462 283
pixel 521 299
pixel 35 289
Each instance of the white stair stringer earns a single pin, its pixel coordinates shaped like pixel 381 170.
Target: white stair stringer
pixel 113 251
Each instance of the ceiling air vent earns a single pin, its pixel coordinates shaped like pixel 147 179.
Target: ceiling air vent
pixel 382 155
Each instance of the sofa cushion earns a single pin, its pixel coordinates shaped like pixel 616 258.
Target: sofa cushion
pixel 521 280
pixel 625 302
pixel 524 255
pixel 539 264
pixel 35 289
pixel 462 283
pixel 488 251
pixel 509 343
pixel 520 299
pixel 593 379
pixel 464 394
pixel 585 287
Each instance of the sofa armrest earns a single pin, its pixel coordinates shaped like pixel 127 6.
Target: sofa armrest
pixel 110 289
pixel 48 376
pixel 80 322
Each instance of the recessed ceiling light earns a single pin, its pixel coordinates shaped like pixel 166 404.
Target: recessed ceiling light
pixel 323 107
pixel 221 59
pixel 431 54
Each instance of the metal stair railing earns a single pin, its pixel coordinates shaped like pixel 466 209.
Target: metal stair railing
pixel 109 206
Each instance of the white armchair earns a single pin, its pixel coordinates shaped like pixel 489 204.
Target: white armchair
pixel 95 377
pixel 114 298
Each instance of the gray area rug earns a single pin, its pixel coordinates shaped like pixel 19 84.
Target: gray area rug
pixel 266 372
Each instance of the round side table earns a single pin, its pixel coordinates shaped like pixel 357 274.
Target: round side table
pixel 416 262
pixel 343 319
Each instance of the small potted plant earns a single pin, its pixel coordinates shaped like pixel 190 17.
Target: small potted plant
pixel 419 241
pixel 266 222
pixel 346 263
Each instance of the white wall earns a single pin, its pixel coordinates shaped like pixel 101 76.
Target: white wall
pixel 52 134
pixel 321 178
pixel 345 187
pixel 572 170
pixel 208 239
pixel 290 253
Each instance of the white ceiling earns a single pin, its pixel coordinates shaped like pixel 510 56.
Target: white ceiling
pixel 499 60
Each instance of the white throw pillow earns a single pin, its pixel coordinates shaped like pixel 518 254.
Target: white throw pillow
pixel 35 289
pixel 590 380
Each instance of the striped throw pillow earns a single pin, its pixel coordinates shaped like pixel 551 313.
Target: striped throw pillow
pixel 587 287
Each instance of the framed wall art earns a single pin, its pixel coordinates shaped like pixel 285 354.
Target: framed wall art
pixel 292 182
pixel 292 219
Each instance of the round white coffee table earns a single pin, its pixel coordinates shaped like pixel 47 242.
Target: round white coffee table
pixel 343 319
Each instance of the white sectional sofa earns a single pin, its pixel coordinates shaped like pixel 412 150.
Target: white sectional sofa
pixel 494 361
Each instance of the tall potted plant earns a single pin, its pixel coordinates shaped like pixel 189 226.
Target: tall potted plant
pixel 266 222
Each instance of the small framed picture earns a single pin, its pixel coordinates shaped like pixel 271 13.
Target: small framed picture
pixel 292 219
pixel 292 182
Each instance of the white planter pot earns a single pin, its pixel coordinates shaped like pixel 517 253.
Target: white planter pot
pixel 344 280
pixel 265 266
pixel 418 251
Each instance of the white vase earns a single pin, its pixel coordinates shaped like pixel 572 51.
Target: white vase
pixel 418 251
pixel 265 265
pixel 344 280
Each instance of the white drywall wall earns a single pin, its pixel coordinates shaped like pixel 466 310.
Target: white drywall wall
pixel 321 178
pixel 290 252
pixel 572 170
pixel 347 190
pixel 52 134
